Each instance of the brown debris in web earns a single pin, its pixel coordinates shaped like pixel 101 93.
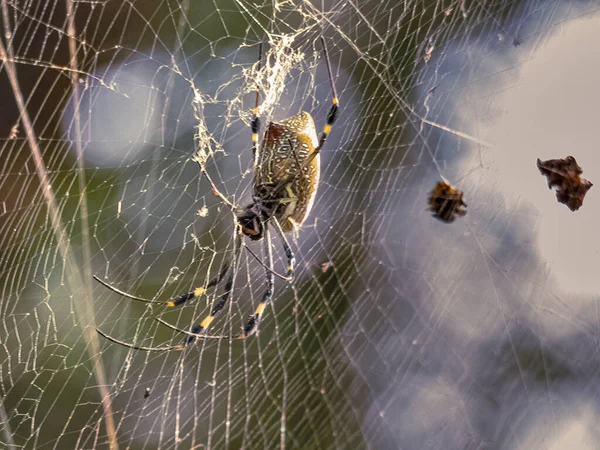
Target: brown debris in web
pixel 564 175
pixel 446 202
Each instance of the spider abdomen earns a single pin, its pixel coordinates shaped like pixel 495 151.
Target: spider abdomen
pixel 287 170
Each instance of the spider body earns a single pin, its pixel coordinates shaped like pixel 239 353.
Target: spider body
pixel 286 176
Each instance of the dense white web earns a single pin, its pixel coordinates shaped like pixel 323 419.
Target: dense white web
pixel 398 330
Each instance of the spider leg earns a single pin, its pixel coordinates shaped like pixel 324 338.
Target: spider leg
pixel 252 324
pixel 333 111
pixel 214 186
pixel 140 347
pixel 255 124
pixel 197 330
pixel 126 295
pixel 197 292
pixel 255 256
pixel 286 248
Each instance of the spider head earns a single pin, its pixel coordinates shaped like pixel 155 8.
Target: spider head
pixel 251 222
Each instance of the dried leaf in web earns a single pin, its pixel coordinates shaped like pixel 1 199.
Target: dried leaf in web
pixel 446 202
pixel 564 175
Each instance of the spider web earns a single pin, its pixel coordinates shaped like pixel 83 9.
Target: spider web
pixel 398 330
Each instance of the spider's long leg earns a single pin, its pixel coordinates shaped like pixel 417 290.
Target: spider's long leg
pixel 126 295
pixel 197 330
pixel 214 186
pixel 333 111
pixel 255 124
pixel 258 260
pixel 200 290
pixel 252 324
pixel 195 293
pixel 164 348
pixel 175 302
pixel 286 247
pixel 218 306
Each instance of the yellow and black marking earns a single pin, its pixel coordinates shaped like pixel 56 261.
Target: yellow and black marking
pixel 331 118
pixel 203 326
pixel 185 297
pixel 199 291
pixel 255 126
pixel 252 324
pixel 219 305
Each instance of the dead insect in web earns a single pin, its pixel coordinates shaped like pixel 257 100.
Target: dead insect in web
pixel 564 175
pixel 147 392
pixel 286 177
pixel 446 202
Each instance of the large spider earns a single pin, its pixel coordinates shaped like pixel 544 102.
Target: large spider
pixel 286 177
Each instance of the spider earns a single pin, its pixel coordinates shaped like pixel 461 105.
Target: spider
pixel 286 177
